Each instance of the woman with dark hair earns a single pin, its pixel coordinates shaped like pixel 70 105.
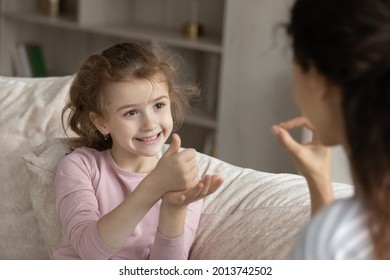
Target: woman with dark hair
pixel 342 86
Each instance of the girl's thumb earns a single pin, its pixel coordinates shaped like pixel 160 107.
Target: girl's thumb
pixel 174 147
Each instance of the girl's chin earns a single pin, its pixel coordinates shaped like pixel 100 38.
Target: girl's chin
pixel 150 150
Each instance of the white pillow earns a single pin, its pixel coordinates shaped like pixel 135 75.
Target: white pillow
pixel 254 215
pixel 41 164
pixel 30 113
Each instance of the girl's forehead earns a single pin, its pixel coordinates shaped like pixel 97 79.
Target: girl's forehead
pixel 136 89
pixel 156 80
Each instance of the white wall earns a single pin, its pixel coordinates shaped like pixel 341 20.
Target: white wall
pixel 256 85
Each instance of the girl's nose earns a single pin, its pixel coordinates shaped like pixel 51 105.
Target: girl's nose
pixel 149 121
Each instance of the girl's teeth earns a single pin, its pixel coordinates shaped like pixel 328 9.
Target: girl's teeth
pixel 148 139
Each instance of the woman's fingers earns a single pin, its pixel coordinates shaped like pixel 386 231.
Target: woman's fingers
pixel 299 122
pixel 296 123
pixel 286 140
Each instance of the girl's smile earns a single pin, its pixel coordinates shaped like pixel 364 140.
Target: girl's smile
pixel 150 140
pixel 139 121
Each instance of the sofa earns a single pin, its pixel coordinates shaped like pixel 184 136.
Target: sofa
pixel 254 214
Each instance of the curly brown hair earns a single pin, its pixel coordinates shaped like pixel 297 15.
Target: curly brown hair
pixel 134 60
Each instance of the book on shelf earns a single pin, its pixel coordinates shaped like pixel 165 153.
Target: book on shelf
pixel 16 64
pixel 30 61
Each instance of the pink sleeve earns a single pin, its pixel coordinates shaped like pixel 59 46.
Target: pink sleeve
pixel 77 207
pixel 178 248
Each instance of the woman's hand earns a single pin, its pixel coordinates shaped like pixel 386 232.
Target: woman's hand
pixel 312 160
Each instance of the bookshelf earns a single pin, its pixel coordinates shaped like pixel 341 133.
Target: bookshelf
pixel 243 76
pixel 93 25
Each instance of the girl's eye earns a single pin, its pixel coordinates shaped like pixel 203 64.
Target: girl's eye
pixel 160 105
pixel 131 113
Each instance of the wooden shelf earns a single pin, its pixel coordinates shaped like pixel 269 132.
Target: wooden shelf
pixel 128 31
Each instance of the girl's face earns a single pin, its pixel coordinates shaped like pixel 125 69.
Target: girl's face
pixel 139 117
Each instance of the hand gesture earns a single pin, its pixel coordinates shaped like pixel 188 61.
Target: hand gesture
pixel 312 160
pixel 208 185
pixel 176 170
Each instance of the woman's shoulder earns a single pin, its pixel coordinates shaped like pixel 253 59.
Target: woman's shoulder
pixel 353 203
pixel 338 231
pixel 339 214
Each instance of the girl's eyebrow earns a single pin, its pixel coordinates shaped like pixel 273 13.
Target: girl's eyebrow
pixel 136 105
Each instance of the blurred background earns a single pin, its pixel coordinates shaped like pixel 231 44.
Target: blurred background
pixel 237 52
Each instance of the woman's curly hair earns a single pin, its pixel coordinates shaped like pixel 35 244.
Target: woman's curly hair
pixel 348 41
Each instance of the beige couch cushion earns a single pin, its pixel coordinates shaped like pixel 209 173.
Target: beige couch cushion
pixel 30 113
pixel 254 215
pixel 41 164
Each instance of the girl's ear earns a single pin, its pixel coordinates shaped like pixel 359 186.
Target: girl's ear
pixel 99 122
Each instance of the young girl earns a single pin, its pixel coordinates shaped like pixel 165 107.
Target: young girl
pixel 342 86
pixel 115 197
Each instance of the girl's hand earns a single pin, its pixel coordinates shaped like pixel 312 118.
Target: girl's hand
pixel 312 160
pixel 174 205
pixel 208 185
pixel 176 170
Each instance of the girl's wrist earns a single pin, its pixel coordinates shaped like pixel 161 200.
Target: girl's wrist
pixel 150 184
pixel 172 220
pixel 173 208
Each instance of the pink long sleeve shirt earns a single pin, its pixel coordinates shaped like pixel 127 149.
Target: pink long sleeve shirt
pixel 89 185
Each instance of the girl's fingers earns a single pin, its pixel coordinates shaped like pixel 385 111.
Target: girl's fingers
pixel 205 187
pixel 206 182
pixel 212 183
pixel 216 182
pixel 193 194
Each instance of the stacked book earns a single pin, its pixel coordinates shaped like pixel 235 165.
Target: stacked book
pixel 28 61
